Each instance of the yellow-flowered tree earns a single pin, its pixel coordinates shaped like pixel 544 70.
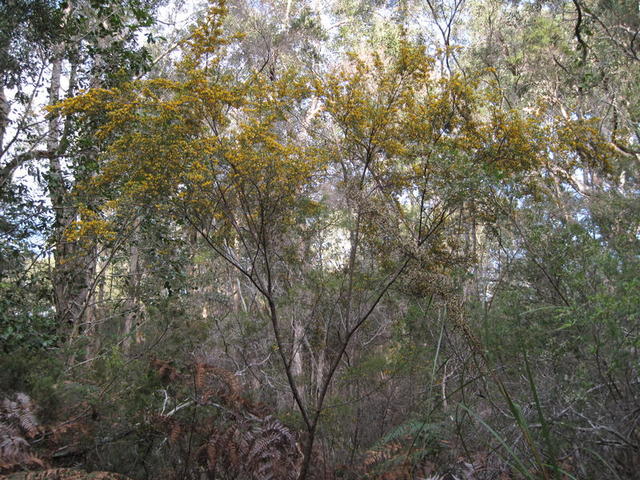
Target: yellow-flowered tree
pixel 324 191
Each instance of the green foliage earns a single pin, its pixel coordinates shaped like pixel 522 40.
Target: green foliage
pixel 25 26
pixel 26 312
pixel 27 321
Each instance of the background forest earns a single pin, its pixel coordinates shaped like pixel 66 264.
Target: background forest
pixel 351 239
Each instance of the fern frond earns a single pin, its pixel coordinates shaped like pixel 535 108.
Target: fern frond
pixel 175 432
pixel 273 453
pixel 285 434
pixel 263 447
pixel 242 440
pixel 17 422
pixel 402 451
pixel 200 376
pixel 207 455
pixel 26 416
pixel 20 412
pixel 165 371
pixel 205 381
pixel 410 429
pixel 66 474
pixel 15 451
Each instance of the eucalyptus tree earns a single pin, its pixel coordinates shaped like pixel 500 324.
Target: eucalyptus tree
pixel 51 50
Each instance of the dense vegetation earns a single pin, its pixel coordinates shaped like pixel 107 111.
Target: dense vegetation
pixel 305 240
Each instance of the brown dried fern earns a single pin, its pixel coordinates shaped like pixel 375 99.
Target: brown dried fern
pixel 20 412
pixel 167 372
pixel 65 474
pixel 212 381
pixel 240 441
pixel 17 423
pixel 258 449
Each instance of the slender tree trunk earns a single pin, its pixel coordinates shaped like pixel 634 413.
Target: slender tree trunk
pixel 63 250
pixel 74 266
pixel 235 289
pixel 321 365
pixel 97 311
pixel 132 305
pixel 297 366
pixel 5 109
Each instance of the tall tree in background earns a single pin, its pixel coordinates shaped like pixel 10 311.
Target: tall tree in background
pixel 52 51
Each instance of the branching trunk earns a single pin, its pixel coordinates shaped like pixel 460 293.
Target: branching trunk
pixel 75 264
pixel 67 308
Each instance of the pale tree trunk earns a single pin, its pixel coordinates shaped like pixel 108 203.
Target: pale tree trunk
pixel 75 265
pixel 560 201
pixel 5 109
pixel 6 171
pixel 319 365
pixel 297 368
pixel 74 268
pixel 96 311
pixel 287 13
pixel 66 308
pixel 235 288
pixel 133 310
